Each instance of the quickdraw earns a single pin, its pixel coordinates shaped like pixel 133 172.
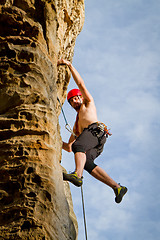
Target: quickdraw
pixel 67 126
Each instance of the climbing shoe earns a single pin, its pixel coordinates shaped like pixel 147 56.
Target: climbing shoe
pixel 73 178
pixel 120 192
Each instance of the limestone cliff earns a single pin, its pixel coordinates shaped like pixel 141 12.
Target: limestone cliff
pixel 33 35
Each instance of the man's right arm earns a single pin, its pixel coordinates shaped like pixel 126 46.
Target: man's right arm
pixel 68 146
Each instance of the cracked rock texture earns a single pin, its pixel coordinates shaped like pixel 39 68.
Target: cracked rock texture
pixel 35 203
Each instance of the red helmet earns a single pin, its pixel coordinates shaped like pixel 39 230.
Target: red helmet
pixel 73 92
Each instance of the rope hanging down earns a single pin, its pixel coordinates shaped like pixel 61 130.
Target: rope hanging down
pixel 68 127
pixel 84 217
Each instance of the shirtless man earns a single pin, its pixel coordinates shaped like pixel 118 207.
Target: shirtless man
pixel 91 137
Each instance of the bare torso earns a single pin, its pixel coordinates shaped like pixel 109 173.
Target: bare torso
pixel 87 116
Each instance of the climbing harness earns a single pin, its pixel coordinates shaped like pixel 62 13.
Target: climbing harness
pixel 68 127
pixel 99 129
pixel 103 127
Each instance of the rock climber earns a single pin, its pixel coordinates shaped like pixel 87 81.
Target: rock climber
pixel 91 137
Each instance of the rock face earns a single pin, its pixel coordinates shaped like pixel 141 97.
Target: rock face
pixel 33 35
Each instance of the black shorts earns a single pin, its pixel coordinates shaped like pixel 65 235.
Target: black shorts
pixel 91 141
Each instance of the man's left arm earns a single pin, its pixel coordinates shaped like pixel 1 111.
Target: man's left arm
pixel 78 80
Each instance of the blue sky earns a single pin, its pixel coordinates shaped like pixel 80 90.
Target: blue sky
pixel 118 55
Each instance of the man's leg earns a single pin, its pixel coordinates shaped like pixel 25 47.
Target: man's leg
pixel 84 142
pixel 102 176
pixel 80 160
pixel 76 176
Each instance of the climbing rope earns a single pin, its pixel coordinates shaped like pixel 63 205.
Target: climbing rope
pixel 84 217
pixel 68 127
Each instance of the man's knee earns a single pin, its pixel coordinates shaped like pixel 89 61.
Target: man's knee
pixel 89 166
pixel 77 147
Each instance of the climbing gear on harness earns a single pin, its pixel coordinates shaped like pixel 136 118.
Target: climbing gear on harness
pixel 103 127
pixel 73 178
pixel 120 192
pixel 67 126
pixel 73 92
pixel 99 129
